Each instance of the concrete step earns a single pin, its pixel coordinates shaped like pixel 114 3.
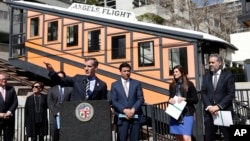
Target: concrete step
pixel 22 90
pixel 3 69
pixel 14 83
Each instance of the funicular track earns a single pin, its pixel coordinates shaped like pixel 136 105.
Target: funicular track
pixel 21 79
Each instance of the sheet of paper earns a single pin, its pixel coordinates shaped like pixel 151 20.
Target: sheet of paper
pixel 175 110
pixel 58 122
pixel 224 118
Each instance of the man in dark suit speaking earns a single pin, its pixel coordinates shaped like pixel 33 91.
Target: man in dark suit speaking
pixel 127 99
pixel 85 87
pixel 217 92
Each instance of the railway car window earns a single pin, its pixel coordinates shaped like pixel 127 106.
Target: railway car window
pixel 52 31
pixel 34 28
pixel 94 41
pixel 178 56
pixel 72 36
pixel 118 47
pixel 146 53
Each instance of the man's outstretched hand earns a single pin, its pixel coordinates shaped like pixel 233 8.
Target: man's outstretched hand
pixel 49 66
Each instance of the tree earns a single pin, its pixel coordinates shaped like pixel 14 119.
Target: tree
pixel 90 2
pixel 213 18
pixel 152 18
pixel 93 2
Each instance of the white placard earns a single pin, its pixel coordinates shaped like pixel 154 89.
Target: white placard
pixel 175 110
pixel 224 118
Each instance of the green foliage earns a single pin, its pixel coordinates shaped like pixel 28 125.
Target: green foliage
pixel 239 73
pixel 152 18
pixel 247 61
pixel 234 70
pixel 93 2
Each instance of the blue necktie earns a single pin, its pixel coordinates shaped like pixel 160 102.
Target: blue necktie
pixel 61 93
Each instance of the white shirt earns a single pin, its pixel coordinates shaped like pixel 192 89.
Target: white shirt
pixel 2 89
pixel 218 75
pixel 92 82
pixel 127 82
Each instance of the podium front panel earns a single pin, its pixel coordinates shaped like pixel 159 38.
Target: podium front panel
pixel 98 128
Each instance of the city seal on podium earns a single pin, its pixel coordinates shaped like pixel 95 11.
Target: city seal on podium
pixel 84 111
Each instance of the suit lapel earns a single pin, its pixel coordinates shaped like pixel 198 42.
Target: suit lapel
pixel 58 93
pixel 83 86
pixel 2 96
pixel 97 86
pixel 220 79
pixel 120 86
pixel 131 87
pixel 211 80
pixel 65 94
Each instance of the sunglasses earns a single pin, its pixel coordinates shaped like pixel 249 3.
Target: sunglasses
pixel 35 86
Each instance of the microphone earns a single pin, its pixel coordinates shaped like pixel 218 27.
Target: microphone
pixel 84 81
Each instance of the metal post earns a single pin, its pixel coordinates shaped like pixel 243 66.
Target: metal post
pixel 198 124
pixel 153 122
pixel 11 30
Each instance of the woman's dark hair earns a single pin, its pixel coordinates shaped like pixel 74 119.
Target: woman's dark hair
pixel 184 78
pixel 41 84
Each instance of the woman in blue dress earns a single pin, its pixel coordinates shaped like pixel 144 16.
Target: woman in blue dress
pixel 185 91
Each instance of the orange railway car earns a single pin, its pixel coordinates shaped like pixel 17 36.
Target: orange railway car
pixel 66 36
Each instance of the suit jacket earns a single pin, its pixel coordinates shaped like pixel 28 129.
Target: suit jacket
pixel 10 103
pixel 79 86
pixel 54 100
pixel 190 95
pixel 224 93
pixel 120 101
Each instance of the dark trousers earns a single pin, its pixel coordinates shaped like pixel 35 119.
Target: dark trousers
pixel 38 132
pixel 8 130
pixel 128 128
pixel 210 130
pixel 54 132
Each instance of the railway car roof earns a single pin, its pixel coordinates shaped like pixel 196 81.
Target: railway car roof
pixel 129 23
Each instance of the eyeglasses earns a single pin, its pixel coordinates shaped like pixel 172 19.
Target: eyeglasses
pixel 35 86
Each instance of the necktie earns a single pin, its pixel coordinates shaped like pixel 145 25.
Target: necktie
pixel 3 94
pixel 215 80
pixel 87 89
pixel 125 87
pixel 61 93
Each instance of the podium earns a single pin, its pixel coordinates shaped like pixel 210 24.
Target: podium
pixel 85 121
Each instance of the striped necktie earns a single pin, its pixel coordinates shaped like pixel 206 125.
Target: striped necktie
pixel 87 89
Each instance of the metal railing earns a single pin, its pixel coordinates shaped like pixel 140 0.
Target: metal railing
pixel 241 106
pixel 156 127
pixel 20 133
